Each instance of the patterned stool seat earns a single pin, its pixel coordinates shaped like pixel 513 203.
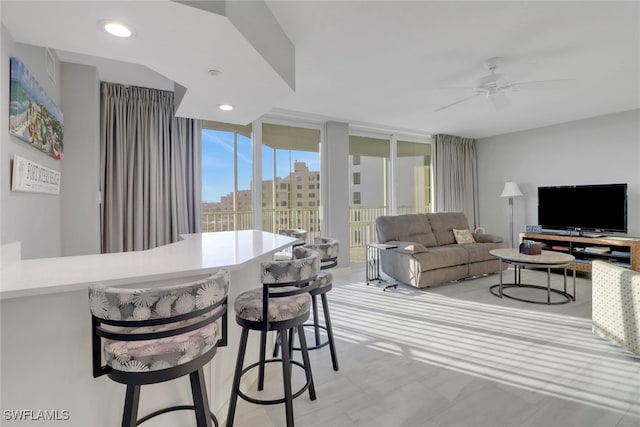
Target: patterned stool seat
pixel 248 305
pixel 157 334
pixel 163 353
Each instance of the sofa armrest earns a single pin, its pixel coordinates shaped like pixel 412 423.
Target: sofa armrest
pixel 487 238
pixel 410 248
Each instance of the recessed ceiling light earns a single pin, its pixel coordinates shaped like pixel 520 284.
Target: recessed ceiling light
pixel 115 28
pixel 225 107
pixel 214 72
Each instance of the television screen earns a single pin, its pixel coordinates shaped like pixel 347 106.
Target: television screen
pixel 583 207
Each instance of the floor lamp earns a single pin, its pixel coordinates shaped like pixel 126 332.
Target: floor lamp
pixel 511 190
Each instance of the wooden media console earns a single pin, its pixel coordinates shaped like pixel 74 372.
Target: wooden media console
pixel 624 251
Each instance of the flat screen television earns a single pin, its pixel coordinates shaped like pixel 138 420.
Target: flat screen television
pixel 599 208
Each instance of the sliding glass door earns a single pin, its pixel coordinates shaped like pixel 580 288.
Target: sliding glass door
pixel 290 178
pixel 369 190
pixel 226 177
pixel 413 177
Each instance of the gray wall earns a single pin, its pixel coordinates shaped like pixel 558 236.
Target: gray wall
pixel 599 150
pixel 34 219
pixel 65 224
pixel 81 164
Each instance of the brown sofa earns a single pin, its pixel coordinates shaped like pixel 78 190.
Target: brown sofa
pixel 427 252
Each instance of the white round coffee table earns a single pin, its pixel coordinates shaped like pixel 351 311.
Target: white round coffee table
pixel 546 259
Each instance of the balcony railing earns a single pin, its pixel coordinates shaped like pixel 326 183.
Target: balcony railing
pixel 362 223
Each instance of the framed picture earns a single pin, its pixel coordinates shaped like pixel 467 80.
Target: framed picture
pixel 33 116
pixel 31 177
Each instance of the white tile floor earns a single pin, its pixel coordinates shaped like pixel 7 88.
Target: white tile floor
pixel 455 355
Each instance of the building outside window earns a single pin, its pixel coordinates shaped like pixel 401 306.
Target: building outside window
pixel 356 178
pixel 357 198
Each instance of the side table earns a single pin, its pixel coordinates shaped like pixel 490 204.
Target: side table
pixel 373 264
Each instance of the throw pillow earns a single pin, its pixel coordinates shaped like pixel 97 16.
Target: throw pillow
pixel 463 236
pixel 411 248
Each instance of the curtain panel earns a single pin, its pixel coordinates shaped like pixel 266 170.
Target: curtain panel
pixel 150 169
pixel 456 187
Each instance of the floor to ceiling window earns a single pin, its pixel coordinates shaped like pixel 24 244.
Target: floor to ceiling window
pixel 413 177
pixel 369 190
pixel 290 178
pixel 226 177
pixel 387 176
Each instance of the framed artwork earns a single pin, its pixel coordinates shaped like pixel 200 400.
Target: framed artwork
pixel 33 116
pixel 31 177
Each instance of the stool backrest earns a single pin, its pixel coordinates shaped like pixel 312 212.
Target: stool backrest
pixel 299 271
pixel 151 313
pixel 328 248
pixel 288 277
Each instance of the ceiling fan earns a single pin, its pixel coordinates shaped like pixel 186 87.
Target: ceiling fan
pixel 495 86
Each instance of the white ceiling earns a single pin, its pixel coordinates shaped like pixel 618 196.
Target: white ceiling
pixel 383 63
pixel 178 42
pixel 387 62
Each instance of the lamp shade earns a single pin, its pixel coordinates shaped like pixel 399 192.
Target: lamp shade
pixel 511 190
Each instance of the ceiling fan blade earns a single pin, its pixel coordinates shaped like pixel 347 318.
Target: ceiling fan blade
pixel 500 100
pixel 555 83
pixel 456 88
pixel 455 103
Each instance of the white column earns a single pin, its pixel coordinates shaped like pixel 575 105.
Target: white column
pixel 256 177
pixel 334 184
pixel 81 165
pixel 393 182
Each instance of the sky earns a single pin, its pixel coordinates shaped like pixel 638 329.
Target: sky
pixel 217 163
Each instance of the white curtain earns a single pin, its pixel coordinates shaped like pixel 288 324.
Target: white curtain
pixel 456 187
pixel 150 168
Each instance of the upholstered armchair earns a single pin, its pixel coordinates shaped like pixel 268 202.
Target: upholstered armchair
pixel 616 304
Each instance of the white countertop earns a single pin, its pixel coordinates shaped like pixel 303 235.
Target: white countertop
pixel 196 254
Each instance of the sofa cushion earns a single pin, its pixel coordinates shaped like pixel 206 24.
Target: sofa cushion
pixel 480 251
pixel 443 223
pixel 407 228
pixel 463 236
pixel 442 256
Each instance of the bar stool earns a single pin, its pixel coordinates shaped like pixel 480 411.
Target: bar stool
pixel 297 233
pixel 282 304
pixel 328 248
pixel 153 335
